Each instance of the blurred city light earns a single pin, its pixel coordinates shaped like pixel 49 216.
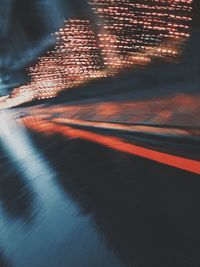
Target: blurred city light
pixel 124 35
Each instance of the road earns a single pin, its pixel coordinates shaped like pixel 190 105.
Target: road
pixel 79 194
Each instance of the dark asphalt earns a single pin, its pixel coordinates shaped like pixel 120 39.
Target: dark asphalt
pixel 74 203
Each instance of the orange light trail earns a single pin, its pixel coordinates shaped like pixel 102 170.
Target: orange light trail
pixel 118 144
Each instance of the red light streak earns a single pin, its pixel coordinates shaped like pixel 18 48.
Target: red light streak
pixel 45 126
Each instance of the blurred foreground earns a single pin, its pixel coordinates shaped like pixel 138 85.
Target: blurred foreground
pixel 107 173
pixel 101 184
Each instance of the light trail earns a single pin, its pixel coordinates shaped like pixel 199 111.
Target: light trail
pixel 113 143
pixel 129 128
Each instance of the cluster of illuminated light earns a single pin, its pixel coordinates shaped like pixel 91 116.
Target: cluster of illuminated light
pixel 133 32
pixel 127 33
pixel 74 60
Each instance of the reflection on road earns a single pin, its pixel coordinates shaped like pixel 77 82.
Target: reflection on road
pixel 89 199
pixel 56 223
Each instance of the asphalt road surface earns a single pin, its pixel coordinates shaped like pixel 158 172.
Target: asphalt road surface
pixel 71 198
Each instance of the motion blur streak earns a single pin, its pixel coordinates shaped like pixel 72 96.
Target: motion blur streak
pixel 176 110
pixel 133 129
pixel 25 156
pixel 113 143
